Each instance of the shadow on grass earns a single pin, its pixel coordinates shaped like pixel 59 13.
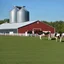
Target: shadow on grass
pixel 62 41
pixel 53 39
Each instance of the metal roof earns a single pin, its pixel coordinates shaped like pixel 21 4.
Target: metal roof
pixel 14 25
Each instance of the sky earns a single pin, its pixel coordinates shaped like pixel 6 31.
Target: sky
pixel 48 10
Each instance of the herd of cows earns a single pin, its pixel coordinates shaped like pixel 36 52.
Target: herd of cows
pixel 48 34
pixel 40 34
pixel 51 36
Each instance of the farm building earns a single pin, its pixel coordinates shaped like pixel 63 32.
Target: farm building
pixel 19 23
pixel 25 26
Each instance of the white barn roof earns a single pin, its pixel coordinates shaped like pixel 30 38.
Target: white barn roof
pixel 14 25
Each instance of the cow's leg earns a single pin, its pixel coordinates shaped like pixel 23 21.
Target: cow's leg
pixel 40 36
pixel 56 38
pixel 60 39
pixel 49 37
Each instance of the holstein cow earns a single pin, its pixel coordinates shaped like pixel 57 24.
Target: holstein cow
pixel 41 34
pixel 56 36
pixel 62 36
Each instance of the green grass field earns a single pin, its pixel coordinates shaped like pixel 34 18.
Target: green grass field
pixel 30 50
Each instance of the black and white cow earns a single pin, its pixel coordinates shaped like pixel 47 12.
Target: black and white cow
pixel 56 36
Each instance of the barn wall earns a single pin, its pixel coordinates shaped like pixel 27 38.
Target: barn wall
pixel 36 25
pixel 8 30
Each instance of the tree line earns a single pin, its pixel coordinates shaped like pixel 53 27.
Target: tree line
pixel 58 25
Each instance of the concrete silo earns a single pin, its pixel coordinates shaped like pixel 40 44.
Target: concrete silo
pixel 22 15
pixel 13 15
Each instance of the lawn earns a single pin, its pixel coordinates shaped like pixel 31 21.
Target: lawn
pixel 30 50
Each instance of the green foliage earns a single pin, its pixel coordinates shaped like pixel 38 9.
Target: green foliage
pixel 6 20
pixel 3 21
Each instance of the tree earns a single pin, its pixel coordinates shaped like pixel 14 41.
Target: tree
pixel 3 21
pixel 6 20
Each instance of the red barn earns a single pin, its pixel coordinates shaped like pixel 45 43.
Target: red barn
pixel 37 25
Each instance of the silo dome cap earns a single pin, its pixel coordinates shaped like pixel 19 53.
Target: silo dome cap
pixel 18 7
